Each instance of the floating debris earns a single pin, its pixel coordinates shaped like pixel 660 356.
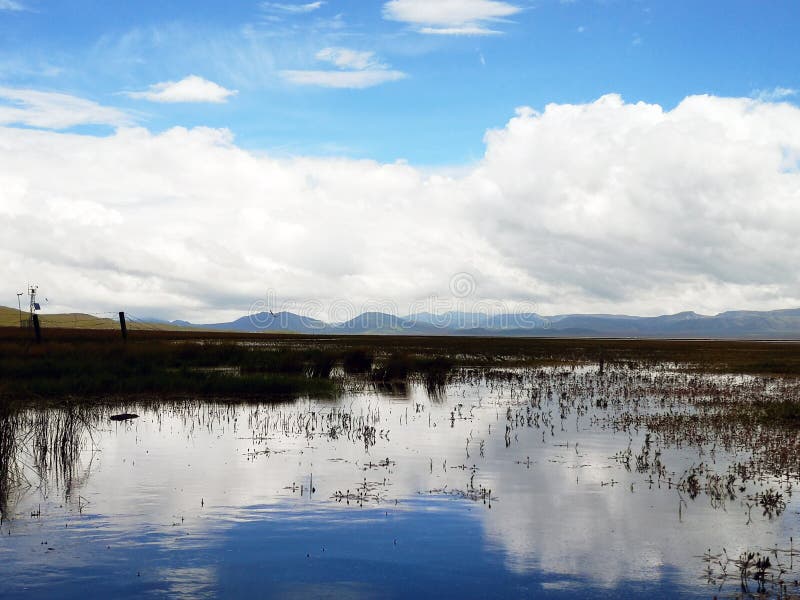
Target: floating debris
pixel 123 417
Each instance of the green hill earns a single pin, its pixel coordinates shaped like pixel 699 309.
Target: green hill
pixel 9 317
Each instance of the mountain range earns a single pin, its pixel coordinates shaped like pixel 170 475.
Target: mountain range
pixel 776 324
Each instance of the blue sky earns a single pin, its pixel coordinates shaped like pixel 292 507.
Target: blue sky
pixel 449 89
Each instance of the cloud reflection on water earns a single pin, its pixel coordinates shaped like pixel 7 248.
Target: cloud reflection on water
pixel 186 487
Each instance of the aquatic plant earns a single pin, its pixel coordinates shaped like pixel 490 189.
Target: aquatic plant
pixel 357 360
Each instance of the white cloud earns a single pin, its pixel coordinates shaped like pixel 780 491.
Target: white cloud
pixel 604 206
pixel 188 89
pixel 465 30
pixel 450 17
pixel 52 110
pixel 292 8
pixel 357 69
pixel 774 94
pixel 343 79
pixel 344 58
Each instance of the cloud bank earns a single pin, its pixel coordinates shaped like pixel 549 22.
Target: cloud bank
pixel 597 207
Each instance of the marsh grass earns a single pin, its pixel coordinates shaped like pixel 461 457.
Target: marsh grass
pixel 725 356
pixel 785 413
pixel 90 369
pixel 40 447
pixel 96 365
pixel 395 367
pixel 357 360
pixel 9 471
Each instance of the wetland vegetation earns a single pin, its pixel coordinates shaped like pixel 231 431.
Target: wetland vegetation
pixel 94 363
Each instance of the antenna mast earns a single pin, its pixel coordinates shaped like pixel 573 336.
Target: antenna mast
pixel 34 305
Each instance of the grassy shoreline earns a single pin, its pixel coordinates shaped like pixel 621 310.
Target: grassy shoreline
pixel 92 363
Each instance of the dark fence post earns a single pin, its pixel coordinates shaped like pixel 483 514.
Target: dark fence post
pixel 36 329
pixel 123 327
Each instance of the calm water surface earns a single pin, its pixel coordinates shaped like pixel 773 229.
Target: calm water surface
pixel 487 488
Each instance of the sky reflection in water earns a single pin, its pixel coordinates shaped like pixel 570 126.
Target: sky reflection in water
pixel 204 499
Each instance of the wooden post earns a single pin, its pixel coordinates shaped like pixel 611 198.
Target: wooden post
pixel 123 327
pixel 36 329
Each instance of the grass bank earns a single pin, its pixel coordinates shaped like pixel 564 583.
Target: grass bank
pixel 89 363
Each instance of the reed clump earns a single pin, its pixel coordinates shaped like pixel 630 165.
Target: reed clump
pixel 357 360
pixel 395 367
pixel 784 412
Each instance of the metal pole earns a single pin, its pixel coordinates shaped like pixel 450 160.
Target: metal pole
pixel 123 327
pixel 36 329
pixel 19 307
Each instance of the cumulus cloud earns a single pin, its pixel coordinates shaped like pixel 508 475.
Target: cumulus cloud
pixel 189 89
pixel 604 206
pixel 355 69
pixel 450 17
pixel 52 110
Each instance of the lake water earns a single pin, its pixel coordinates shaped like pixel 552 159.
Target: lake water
pixel 513 485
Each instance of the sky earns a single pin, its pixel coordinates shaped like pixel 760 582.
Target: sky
pixel 201 159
